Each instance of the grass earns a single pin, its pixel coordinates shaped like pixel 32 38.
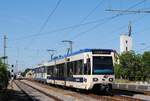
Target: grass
pixel 123 81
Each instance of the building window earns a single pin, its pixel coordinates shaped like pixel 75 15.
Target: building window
pixel 126 41
pixel 126 48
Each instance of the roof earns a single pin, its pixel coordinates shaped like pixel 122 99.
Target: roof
pixel 78 52
pixel 82 51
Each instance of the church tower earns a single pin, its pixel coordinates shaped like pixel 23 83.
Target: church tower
pixel 126 41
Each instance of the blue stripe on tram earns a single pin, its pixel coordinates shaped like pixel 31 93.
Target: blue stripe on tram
pixel 72 79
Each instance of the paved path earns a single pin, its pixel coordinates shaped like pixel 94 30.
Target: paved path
pixel 13 93
pixel 132 87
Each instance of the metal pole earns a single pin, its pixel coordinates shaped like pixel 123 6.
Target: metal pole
pixel 70 46
pixel 52 52
pixel 70 49
pixel 5 37
pixel 16 66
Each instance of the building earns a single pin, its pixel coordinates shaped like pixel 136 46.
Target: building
pixel 125 43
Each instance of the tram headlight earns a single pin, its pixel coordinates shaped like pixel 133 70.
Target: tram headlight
pixel 110 79
pixel 95 79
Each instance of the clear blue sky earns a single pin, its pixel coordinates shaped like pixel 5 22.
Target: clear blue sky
pixel 20 19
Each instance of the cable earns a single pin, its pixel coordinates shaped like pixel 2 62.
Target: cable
pixel 90 29
pixel 108 19
pixel 61 29
pixel 69 27
pixel 49 16
pixel 144 48
pixel 89 14
pixel 96 26
pixel 65 28
pixel 45 22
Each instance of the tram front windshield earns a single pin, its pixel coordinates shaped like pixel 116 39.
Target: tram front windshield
pixel 102 65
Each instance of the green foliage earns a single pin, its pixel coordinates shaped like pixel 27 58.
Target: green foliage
pixel 133 66
pixel 26 70
pixel 118 71
pixel 3 75
pixel 146 65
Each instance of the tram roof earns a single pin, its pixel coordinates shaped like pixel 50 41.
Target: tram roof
pixel 82 51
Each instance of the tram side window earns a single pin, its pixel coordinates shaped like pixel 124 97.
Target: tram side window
pixel 49 70
pixel 52 71
pixel 88 66
pixel 37 70
pixel 79 67
pixel 60 68
pixel 45 69
pixel 70 68
pixel 74 67
pixel 57 70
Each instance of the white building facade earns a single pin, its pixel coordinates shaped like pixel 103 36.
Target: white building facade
pixel 125 43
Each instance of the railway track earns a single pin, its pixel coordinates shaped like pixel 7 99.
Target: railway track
pixel 114 98
pixel 35 94
pixel 26 96
pixel 98 97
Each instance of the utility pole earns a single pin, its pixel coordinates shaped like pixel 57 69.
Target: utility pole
pixel 5 57
pixel 70 46
pixel 16 66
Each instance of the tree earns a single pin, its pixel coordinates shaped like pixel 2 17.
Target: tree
pixel 146 65
pixel 130 66
pixel 26 70
pixel 117 71
pixel 3 75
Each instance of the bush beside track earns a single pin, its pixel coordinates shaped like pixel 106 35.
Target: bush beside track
pixel 4 76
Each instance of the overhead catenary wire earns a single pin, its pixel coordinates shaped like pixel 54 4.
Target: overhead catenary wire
pixel 45 22
pixel 89 14
pixel 73 26
pixel 95 26
pixel 60 29
pixel 65 28
pixel 69 27
pixel 134 21
pixel 92 11
pixel 49 16
pixel 107 20
pixel 148 46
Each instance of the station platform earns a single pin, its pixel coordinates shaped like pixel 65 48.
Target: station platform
pixel 132 87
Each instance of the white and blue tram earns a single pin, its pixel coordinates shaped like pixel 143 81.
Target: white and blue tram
pixel 85 69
